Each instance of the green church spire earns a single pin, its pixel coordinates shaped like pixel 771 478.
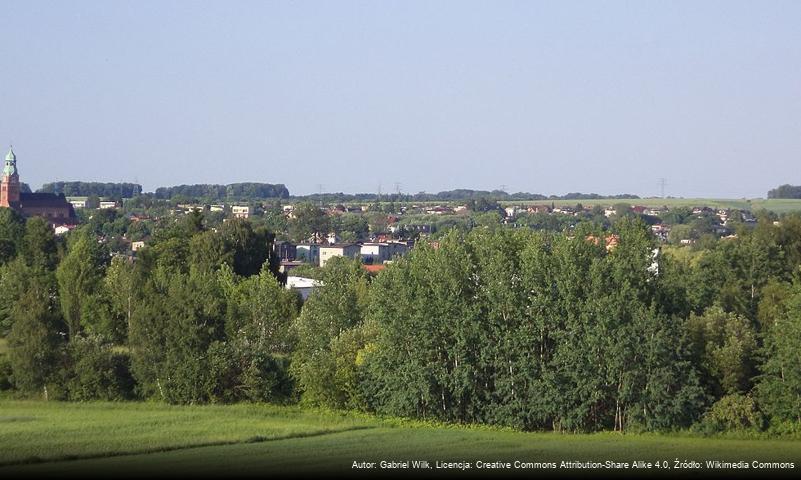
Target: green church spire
pixel 11 163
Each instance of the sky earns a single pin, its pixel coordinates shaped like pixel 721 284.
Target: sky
pixel 356 96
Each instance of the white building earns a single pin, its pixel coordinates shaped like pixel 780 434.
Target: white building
pixel 108 204
pixel 241 211
pixel 350 250
pixel 308 252
pixel 380 252
pixel 62 229
pixel 303 285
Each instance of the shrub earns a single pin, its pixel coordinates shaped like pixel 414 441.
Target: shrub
pixel 735 412
pixel 97 372
pixel 6 380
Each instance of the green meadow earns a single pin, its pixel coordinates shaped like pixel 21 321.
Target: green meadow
pixel 136 439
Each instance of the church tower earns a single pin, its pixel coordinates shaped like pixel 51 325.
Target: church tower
pixel 9 185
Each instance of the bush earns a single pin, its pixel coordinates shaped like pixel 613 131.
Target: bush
pixel 6 380
pixel 735 412
pixel 97 372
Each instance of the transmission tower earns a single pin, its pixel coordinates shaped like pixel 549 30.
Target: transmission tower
pixel 662 183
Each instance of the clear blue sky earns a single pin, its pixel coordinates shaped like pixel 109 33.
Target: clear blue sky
pixel 548 97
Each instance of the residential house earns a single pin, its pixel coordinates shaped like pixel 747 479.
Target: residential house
pixel 77 202
pixel 305 286
pixel 380 252
pixel 241 211
pixel 285 250
pixel 328 252
pixel 308 252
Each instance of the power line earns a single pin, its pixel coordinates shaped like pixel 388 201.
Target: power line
pixel 662 183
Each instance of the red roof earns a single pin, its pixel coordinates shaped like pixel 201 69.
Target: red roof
pixel 374 268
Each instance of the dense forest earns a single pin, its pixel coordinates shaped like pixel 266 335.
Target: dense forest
pixel 87 189
pixel 785 191
pixel 502 326
pixel 234 191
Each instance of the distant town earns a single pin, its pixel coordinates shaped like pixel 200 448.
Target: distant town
pixel 375 229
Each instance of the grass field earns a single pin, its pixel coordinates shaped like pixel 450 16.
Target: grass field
pixel 3 346
pixel 776 205
pixel 138 439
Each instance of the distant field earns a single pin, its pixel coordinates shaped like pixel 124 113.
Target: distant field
pixel 774 205
pixel 138 439
pixel 3 346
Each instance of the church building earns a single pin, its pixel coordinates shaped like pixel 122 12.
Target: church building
pixel 55 208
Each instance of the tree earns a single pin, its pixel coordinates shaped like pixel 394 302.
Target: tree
pixel 12 229
pixel 35 342
pixel 779 388
pixel 39 247
pixel 79 276
pixel 332 310
pixel 250 248
pixel 309 221
pixel 260 311
pixel 725 346
pixel 175 329
pixel 120 288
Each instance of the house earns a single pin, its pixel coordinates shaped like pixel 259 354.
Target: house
pixel 216 208
pixel 422 228
pixel 328 252
pixel 610 241
pixel 77 202
pixel 241 211
pixel 374 269
pixel 538 209
pixel 305 286
pixel 62 229
pixel 285 250
pixel 380 252
pixel 439 210
pixel 107 204
pixel 308 252
pixel 661 231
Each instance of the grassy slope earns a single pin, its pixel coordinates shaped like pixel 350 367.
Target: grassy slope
pixel 259 440
pixel 3 346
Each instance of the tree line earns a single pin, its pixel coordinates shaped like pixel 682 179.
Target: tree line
pixel 459 194
pixel 222 192
pixel 785 191
pixel 88 189
pixel 513 327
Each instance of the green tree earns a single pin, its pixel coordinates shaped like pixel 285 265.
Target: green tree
pixel 779 388
pixel 36 346
pixel 725 345
pixel 39 247
pixel 12 229
pixel 79 276
pixel 308 221
pixel 332 310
